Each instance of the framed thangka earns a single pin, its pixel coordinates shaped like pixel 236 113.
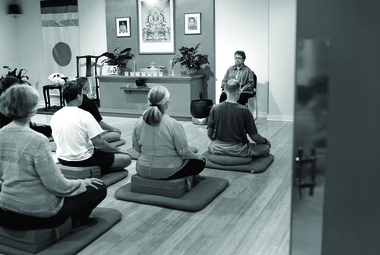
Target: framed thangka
pixel 156 26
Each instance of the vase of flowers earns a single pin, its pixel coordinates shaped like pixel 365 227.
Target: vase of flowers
pixel 190 59
pixel 117 61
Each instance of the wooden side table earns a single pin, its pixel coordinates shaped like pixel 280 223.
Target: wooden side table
pixel 46 89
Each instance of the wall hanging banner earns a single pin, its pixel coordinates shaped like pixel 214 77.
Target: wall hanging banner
pixel 60 31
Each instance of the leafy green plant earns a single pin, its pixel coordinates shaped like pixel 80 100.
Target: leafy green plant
pixel 190 59
pixel 19 75
pixel 118 59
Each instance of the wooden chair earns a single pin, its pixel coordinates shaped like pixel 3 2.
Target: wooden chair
pixel 91 66
pixel 254 97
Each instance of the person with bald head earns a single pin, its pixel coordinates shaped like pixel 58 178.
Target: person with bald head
pixel 228 125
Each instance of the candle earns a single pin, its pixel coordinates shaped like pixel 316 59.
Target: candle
pixel 171 67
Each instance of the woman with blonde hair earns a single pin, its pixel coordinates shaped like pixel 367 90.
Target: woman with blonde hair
pixel 162 142
pixel 34 193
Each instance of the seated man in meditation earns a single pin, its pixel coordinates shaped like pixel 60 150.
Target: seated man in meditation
pixel 78 136
pixel 244 75
pixel 228 125
pixel 110 134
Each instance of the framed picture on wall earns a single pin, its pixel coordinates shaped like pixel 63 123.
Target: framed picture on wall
pixel 156 26
pixel 123 27
pixel 193 23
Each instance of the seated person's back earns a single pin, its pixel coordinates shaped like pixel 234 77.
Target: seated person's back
pixel 162 142
pixel 229 124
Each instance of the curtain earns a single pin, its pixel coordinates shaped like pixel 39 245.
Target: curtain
pixel 60 29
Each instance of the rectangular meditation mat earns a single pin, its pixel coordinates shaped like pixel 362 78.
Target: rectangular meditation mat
pixel 79 238
pixel 258 165
pixel 196 199
pixel 135 154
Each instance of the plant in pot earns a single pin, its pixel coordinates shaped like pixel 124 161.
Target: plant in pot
pixel 117 61
pixel 20 75
pixel 190 59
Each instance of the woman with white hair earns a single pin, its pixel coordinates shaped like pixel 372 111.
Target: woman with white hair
pixel 162 142
pixel 34 193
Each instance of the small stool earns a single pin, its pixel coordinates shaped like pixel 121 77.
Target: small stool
pixel 46 89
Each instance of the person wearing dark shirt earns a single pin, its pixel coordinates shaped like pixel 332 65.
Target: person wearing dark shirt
pixel 230 123
pixel 110 134
pixel 244 75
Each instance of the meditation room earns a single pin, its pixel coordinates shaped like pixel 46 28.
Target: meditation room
pixel 189 127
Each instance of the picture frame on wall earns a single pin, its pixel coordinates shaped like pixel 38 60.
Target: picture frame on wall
pixel 156 26
pixel 123 27
pixel 192 23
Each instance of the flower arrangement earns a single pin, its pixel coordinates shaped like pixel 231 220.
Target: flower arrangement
pixel 189 59
pixel 118 59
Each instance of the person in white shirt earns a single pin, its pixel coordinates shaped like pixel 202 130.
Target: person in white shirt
pixel 78 136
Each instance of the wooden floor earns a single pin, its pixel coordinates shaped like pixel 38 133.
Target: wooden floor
pixel 252 216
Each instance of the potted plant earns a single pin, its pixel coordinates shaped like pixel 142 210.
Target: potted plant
pixel 189 59
pixel 19 75
pixel 117 60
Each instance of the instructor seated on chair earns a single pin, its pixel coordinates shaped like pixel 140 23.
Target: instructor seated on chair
pixel 110 134
pixel 78 136
pixel 244 75
pixel 34 193
pixel 228 125
pixel 162 142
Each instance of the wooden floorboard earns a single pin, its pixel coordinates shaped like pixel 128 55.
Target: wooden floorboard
pixel 252 216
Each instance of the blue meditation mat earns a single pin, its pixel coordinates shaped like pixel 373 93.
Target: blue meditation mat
pixel 257 165
pixel 79 238
pixel 196 199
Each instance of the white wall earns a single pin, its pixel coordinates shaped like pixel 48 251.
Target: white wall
pixel 282 57
pixel 23 36
pixel 8 39
pixel 265 30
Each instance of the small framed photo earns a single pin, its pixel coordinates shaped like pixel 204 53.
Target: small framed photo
pixel 123 27
pixel 193 23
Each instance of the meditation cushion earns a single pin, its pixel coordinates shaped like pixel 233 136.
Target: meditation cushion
pixel 135 154
pixel 228 160
pixel 74 173
pixel 257 165
pixel 79 172
pixel 200 195
pixel 76 239
pixel 34 240
pixel 167 188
